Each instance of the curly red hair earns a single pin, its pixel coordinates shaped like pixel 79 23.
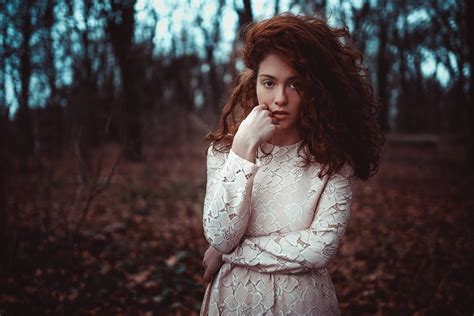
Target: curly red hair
pixel 338 117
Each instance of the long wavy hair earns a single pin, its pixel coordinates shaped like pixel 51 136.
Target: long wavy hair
pixel 338 114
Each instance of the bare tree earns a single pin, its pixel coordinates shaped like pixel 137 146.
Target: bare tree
pixel 25 71
pixel 245 14
pixel 120 28
pixel 211 41
pixel 468 20
pixel 3 129
pixel 3 63
pixel 383 65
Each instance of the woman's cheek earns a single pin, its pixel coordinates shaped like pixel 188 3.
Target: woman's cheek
pixel 259 95
pixel 263 95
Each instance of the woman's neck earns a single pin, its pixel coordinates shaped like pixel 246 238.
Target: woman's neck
pixel 285 138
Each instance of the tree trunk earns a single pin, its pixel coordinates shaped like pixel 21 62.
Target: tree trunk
pixel 382 73
pixel 468 15
pixel 24 115
pixel 120 27
pixel 246 16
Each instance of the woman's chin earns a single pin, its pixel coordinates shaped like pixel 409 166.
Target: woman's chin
pixel 284 127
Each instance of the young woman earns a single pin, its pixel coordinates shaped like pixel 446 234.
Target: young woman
pixel 299 125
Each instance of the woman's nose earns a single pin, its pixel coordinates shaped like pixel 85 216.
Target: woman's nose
pixel 281 97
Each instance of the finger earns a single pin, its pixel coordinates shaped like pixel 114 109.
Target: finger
pixel 206 276
pixel 263 106
pixel 273 120
pixel 267 111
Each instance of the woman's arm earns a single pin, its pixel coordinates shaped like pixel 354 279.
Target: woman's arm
pixel 230 181
pixel 307 249
pixel 227 201
pixel 211 262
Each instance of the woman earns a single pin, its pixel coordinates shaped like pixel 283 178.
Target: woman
pixel 297 128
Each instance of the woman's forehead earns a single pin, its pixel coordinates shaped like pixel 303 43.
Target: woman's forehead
pixel 276 66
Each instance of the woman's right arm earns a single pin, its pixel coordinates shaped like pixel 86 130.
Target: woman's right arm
pixel 230 181
pixel 307 249
pixel 227 201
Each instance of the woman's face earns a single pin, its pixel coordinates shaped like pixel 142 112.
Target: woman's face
pixel 278 87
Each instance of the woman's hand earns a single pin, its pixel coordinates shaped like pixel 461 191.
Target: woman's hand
pixel 212 262
pixel 258 127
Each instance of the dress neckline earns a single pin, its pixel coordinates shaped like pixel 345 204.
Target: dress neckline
pixel 270 150
pixel 267 144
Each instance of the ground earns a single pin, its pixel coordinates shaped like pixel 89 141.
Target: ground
pixel 408 249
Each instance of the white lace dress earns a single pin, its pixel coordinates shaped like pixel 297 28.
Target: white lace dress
pixel 279 225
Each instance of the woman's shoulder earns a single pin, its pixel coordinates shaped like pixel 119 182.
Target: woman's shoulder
pixel 216 153
pixel 217 149
pixel 343 178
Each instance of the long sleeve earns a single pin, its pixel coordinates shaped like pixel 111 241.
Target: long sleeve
pixel 227 201
pixel 307 249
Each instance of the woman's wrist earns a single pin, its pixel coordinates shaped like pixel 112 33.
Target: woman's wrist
pixel 217 251
pixel 245 147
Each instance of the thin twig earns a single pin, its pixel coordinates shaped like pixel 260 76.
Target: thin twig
pixel 93 193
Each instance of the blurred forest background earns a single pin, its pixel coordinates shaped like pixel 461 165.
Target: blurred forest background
pixel 103 109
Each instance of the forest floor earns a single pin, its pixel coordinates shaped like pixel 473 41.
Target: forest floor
pixel 408 249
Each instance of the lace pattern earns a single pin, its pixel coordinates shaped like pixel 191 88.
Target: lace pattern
pixel 279 225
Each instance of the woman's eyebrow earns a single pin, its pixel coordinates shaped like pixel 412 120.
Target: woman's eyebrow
pixel 274 78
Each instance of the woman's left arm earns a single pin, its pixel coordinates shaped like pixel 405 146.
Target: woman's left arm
pixel 307 249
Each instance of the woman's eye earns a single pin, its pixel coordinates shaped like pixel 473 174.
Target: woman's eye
pixel 294 85
pixel 268 83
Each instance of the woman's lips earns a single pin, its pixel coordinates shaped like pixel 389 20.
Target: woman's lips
pixel 280 114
